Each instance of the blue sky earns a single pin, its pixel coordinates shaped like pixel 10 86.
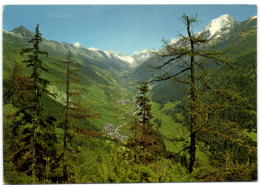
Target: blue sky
pixel 121 28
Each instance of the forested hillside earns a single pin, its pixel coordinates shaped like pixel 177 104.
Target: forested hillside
pixel 186 113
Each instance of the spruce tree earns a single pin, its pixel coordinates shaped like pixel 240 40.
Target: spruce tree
pixel 146 143
pixel 143 102
pixel 35 131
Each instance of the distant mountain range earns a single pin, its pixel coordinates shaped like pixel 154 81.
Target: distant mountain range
pixel 218 29
pixel 223 31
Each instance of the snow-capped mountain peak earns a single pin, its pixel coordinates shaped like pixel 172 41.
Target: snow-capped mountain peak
pixel 120 56
pixel 93 49
pixel 218 25
pixel 77 44
pixel 125 58
pixel 136 58
pixel 142 56
pixel 253 17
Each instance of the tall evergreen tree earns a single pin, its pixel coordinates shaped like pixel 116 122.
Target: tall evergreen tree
pixel 36 139
pixel 146 143
pixel 143 102
pixel 194 57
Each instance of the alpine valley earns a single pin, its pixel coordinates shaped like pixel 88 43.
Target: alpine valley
pixel 99 149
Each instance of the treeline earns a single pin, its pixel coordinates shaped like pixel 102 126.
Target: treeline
pixel 43 146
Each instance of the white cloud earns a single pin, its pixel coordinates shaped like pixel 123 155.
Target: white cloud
pixel 77 44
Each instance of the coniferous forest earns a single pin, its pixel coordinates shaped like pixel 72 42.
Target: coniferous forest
pixel 185 114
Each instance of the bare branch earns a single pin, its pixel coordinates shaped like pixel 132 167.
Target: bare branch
pixel 158 79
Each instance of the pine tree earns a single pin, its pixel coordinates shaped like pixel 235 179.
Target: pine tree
pixel 34 130
pixel 193 59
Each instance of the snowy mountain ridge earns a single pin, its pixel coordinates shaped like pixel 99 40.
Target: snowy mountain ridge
pixel 218 26
pixel 217 29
